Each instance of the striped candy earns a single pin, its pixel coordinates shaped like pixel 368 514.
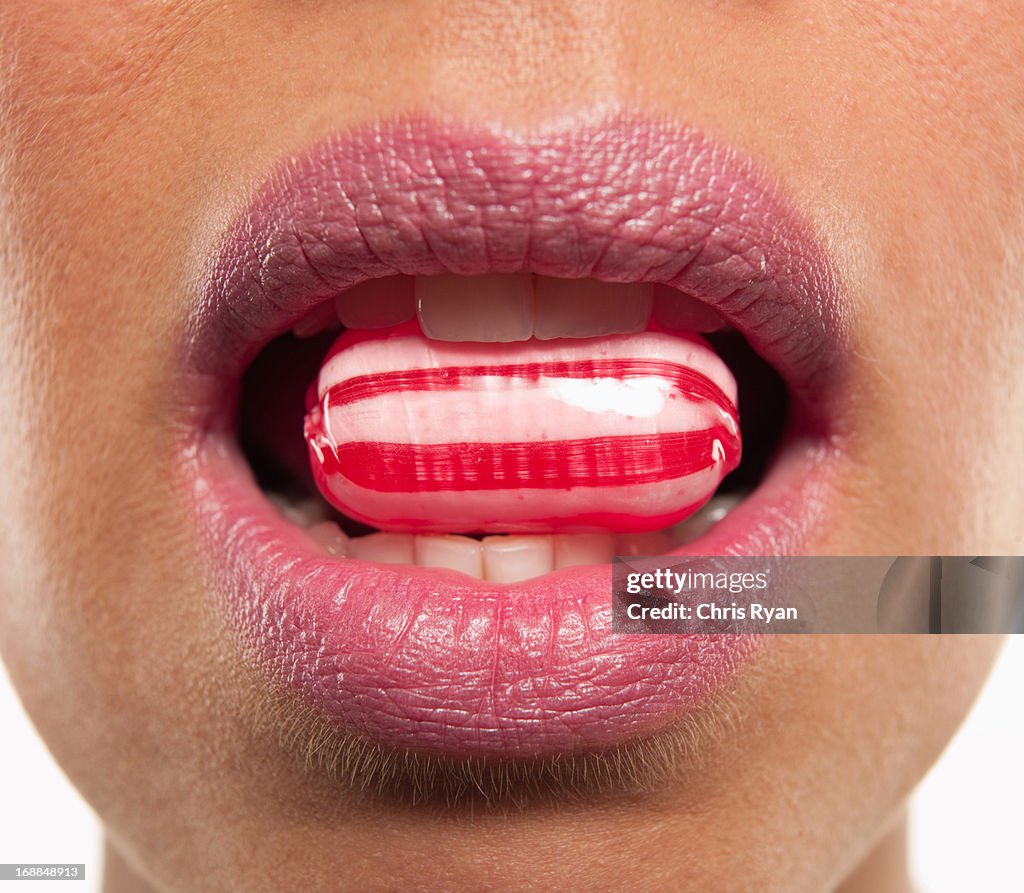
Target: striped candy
pixel 625 433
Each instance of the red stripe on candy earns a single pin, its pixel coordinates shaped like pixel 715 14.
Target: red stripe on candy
pixel 684 379
pixel 545 465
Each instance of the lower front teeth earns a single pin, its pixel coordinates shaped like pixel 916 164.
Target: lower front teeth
pixel 457 553
pixel 500 559
pixel 510 559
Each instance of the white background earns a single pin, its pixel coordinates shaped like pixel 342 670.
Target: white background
pixel 966 817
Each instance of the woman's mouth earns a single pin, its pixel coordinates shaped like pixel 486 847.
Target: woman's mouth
pixel 541 345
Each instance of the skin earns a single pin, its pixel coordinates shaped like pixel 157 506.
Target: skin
pixel 131 133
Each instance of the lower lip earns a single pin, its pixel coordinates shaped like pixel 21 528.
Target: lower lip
pixel 429 661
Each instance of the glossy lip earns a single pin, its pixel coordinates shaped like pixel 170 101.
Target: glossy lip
pixel 426 659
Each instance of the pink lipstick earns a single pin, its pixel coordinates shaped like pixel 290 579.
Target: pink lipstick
pixel 432 660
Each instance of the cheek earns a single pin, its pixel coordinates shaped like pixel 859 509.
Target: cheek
pixel 92 207
pixel 937 257
pixel 91 290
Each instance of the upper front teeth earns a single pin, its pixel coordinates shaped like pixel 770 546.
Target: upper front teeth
pixel 497 307
pixel 518 306
pixel 501 307
pixel 586 308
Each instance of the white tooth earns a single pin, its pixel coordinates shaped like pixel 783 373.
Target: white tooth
pixel 387 548
pixel 495 307
pixel 316 321
pixel 674 310
pixel 330 537
pixel 573 549
pixel 703 520
pixel 457 553
pixel 509 559
pixel 586 308
pixel 629 545
pixel 377 303
pixel 301 510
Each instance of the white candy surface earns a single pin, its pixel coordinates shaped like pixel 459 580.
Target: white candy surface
pixel 624 433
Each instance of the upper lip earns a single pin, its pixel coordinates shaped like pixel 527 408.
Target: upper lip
pixel 429 661
pixel 625 201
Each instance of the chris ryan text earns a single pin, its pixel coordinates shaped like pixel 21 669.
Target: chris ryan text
pixel 675 611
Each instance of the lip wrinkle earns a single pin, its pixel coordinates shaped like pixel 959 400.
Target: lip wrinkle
pixel 422 660
pixel 626 201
